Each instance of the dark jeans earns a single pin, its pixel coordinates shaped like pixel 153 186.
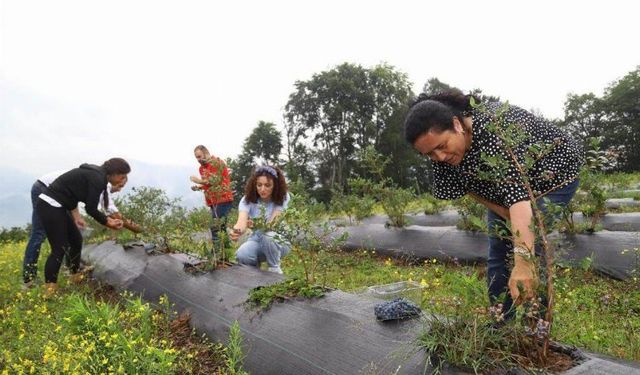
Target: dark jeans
pixel 498 272
pixel 36 238
pixel 219 214
pixel 64 237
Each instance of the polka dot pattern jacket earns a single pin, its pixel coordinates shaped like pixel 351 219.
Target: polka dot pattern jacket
pixel 557 168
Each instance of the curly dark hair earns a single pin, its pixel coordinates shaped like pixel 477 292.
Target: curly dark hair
pixel 436 112
pixel 279 187
pixel 115 166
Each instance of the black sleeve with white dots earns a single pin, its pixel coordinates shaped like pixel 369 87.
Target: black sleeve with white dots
pixel 558 167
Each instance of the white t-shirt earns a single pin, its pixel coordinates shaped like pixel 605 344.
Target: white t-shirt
pixel 255 209
pixel 112 209
pixel 47 179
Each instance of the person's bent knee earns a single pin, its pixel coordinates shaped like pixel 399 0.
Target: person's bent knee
pixel 249 261
pixel 246 259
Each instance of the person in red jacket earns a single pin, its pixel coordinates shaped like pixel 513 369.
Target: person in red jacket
pixel 215 182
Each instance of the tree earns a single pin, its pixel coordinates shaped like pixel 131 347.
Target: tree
pixel 339 111
pixel 434 86
pixel 300 159
pixel 324 110
pixel 264 143
pixel 615 118
pixel 406 168
pixel 622 108
pixel 262 146
pixel 584 116
pixel 484 98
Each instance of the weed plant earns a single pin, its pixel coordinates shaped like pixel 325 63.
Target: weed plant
pixel 592 202
pixel 431 205
pixel 364 193
pixel 469 340
pixel 159 215
pixel 263 297
pixel 170 226
pixel 472 215
pixel 235 355
pixel 356 205
pixel 635 270
pixel 309 237
pixel 394 200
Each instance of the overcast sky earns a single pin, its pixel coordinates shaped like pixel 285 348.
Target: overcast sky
pixel 148 80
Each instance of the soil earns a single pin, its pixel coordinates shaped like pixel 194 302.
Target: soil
pixel 560 358
pixel 560 362
pixel 206 359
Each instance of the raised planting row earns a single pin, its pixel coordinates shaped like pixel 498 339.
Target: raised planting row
pixel 336 334
pixel 629 222
pixel 614 254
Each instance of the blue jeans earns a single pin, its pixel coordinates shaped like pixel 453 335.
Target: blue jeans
pixel 36 238
pixel 260 248
pixel 499 248
pixel 219 212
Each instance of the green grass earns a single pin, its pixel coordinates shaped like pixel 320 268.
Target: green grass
pixel 598 314
pixel 623 210
pixel 51 336
pixel 87 330
pixel 592 312
pixel 619 180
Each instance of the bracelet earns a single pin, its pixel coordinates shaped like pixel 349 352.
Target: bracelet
pixel 522 251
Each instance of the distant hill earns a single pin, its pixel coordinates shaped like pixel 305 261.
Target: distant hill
pixel 174 180
pixel 15 201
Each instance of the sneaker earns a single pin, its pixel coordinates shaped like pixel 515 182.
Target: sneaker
pixel 28 285
pixel 275 269
pixel 85 268
pixel 50 290
pixel 76 278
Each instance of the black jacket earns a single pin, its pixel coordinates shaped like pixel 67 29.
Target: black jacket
pixel 83 184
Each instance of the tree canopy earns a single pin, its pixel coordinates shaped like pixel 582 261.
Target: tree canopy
pixel 339 112
pixel 615 117
pixel 262 146
pixel 342 110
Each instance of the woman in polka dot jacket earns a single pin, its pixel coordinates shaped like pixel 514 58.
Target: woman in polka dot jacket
pixel 454 135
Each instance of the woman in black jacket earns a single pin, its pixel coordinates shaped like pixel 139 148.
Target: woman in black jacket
pixel 84 184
